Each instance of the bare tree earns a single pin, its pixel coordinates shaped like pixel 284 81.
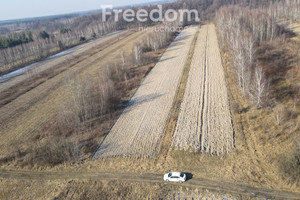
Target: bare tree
pixel 249 45
pixel 123 60
pixel 259 89
pixel 242 29
pixel 242 67
pixel 279 113
pixel 137 54
pixel 86 98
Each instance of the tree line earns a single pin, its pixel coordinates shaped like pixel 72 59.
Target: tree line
pixel 21 50
pixel 242 30
pixel 47 37
pixel 263 58
pixel 15 40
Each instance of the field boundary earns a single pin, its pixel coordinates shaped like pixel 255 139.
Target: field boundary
pixel 204 101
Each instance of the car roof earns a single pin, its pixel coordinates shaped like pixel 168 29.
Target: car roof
pixel 175 173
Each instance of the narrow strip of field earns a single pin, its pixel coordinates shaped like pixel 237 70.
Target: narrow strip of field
pixel 204 122
pixel 139 129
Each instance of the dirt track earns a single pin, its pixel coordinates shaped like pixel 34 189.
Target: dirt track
pixel 140 128
pixel 205 122
pixel 245 191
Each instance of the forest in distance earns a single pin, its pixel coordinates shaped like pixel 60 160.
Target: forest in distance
pixel 25 42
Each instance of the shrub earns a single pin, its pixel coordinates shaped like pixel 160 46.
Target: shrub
pixel 86 98
pixel 116 73
pixel 15 40
pixel 147 48
pixel 290 163
pixel 55 151
pixel 65 30
pixel 44 35
pixel 82 39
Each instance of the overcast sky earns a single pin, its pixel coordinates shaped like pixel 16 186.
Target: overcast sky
pixel 18 9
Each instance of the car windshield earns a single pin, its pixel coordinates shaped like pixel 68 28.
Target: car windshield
pixel 170 174
pixel 181 174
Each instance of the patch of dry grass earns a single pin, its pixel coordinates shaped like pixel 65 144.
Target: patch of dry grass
pixel 103 189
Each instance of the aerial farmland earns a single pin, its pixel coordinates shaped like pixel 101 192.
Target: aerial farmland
pixel 183 99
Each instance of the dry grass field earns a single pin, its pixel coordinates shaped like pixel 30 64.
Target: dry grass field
pixel 103 189
pixel 139 129
pixel 31 106
pixel 204 121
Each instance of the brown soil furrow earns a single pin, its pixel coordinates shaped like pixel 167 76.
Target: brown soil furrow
pixel 204 109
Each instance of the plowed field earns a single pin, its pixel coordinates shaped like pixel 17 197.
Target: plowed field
pixel 139 129
pixel 204 122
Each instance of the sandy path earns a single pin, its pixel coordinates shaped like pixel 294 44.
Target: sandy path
pixel 204 122
pixel 140 128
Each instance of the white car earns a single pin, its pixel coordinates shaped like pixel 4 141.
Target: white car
pixel 175 177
